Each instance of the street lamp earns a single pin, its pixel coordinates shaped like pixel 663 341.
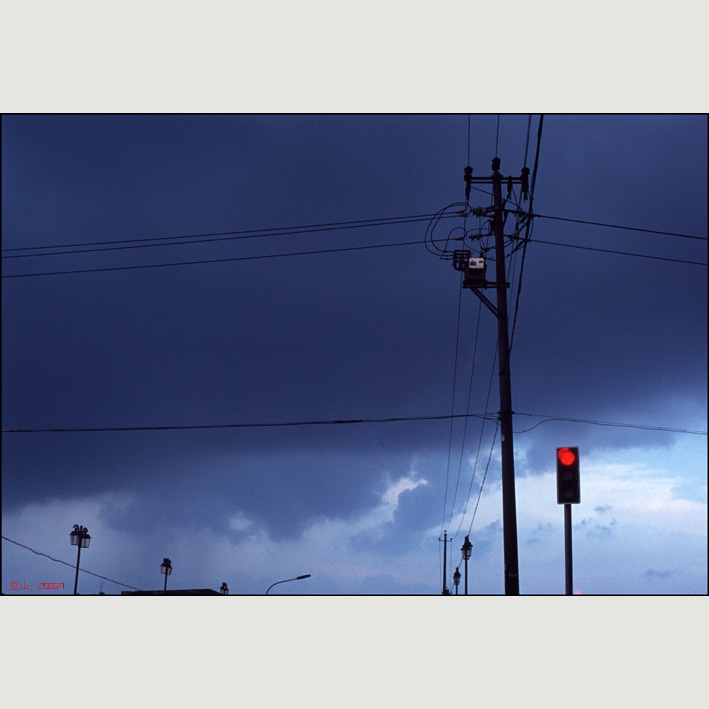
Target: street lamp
pixel 224 589
pixel 297 578
pixel 80 538
pixel 466 549
pixel 456 580
pixel 166 568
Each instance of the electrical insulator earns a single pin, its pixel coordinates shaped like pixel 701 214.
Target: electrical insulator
pixel 525 182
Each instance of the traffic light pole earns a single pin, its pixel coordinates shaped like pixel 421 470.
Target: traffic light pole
pixel 568 493
pixel 509 505
pixel 567 548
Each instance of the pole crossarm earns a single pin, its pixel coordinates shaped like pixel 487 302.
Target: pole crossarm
pixel 490 180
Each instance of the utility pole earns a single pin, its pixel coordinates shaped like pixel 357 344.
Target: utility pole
pixel 445 541
pixel 474 278
pixel 509 505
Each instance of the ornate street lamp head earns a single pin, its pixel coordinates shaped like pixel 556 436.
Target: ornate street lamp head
pixel 80 537
pixel 224 590
pixel 166 566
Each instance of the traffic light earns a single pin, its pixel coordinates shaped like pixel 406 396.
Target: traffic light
pixel 568 480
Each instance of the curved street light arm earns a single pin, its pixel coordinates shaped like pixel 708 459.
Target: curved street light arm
pixel 297 578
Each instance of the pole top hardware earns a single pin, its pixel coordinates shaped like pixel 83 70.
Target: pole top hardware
pixel 468 177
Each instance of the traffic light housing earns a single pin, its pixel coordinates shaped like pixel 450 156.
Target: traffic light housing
pixel 568 480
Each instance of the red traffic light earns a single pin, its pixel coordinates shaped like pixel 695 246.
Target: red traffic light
pixel 568 487
pixel 566 456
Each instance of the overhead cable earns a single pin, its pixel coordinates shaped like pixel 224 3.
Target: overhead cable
pixel 325 251
pixel 480 440
pixel 219 260
pixel 482 483
pixel 450 435
pixel 246 234
pixel 490 416
pixel 73 566
pixel 647 427
pixel 529 224
pixel 620 253
pixel 249 233
pixel 465 426
pixel 617 226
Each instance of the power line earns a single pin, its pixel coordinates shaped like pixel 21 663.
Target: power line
pixel 482 484
pixel 450 436
pixel 219 260
pixel 428 240
pixel 526 145
pixel 574 420
pixel 529 224
pixel 480 440
pixel 247 234
pixel 491 416
pixel 322 251
pixel 617 226
pixel 73 566
pixel 492 372
pixel 307 228
pixel 605 423
pixel 294 230
pixel 465 427
pixel 518 227
pixel 482 428
pixel 621 253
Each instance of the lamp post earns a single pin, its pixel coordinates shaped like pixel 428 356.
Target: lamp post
pixel 297 578
pixel 166 568
pixel 80 538
pixel 224 589
pixel 466 549
pixel 456 580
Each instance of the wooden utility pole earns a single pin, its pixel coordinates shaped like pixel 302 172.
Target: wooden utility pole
pixel 509 505
pixel 445 541
pixel 475 279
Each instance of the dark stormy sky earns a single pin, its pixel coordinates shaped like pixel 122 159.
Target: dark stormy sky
pixel 354 320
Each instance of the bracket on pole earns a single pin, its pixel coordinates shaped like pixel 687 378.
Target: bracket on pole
pixel 485 300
